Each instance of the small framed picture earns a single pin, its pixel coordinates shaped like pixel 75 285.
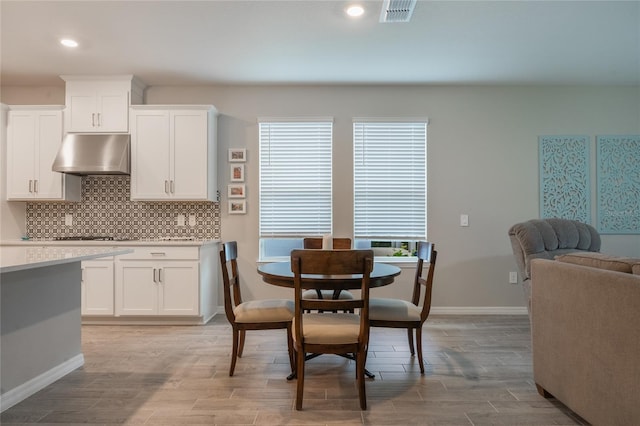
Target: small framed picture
pixel 237 173
pixel 237 207
pixel 237 155
pixel 236 190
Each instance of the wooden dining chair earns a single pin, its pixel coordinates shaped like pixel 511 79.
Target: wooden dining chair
pixel 339 243
pixel 315 243
pixel 396 313
pixel 331 332
pixel 266 314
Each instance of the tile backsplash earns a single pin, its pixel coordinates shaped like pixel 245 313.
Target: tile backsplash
pixel 106 210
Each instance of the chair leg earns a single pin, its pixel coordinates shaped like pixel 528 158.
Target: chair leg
pixel 361 359
pixel 234 351
pixel 410 337
pixel 241 344
pixel 300 378
pixel 292 361
pixel 419 341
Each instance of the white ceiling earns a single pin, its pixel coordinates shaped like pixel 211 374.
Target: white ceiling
pixel 312 41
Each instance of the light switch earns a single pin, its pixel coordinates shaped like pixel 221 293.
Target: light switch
pixel 464 220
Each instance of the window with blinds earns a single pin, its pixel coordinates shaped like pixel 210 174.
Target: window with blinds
pixel 295 178
pixel 390 180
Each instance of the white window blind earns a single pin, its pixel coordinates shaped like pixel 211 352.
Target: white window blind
pixel 390 180
pixel 295 178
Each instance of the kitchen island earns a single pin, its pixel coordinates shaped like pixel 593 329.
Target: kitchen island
pixel 40 335
pixel 163 281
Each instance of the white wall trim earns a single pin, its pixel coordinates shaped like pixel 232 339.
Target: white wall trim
pixel 25 390
pixel 479 310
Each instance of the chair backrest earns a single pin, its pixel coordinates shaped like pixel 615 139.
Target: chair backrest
pixel 427 255
pixel 230 278
pixel 338 243
pixel 548 238
pixel 331 262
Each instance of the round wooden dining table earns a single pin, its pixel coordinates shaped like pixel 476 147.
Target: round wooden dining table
pixel 280 274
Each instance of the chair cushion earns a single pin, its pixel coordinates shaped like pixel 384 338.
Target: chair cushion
pixel 327 328
pixel 326 294
pixel 393 310
pixel 267 310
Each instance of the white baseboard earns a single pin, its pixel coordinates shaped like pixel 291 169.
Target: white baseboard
pixel 465 310
pixel 479 310
pixel 25 390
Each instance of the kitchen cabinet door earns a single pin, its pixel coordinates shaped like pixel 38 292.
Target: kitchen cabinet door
pixel 157 288
pixel 21 155
pixel 150 155
pixel 97 287
pixel 179 288
pixel 136 288
pixel 34 138
pixel 97 106
pixel 189 151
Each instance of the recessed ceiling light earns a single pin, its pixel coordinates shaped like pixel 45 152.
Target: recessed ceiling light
pixel 355 10
pixel 68 42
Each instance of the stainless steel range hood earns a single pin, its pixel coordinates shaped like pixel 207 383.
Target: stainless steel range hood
pixel 94 154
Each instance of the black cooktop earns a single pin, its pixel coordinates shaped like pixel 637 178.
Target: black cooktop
pixel 91 238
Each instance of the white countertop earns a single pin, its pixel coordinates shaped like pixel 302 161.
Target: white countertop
pixel 19 258
pixel 108 243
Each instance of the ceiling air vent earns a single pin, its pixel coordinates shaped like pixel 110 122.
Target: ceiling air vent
pixel 397 10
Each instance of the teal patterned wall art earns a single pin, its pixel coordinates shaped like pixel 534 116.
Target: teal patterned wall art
pixel 565 188
pixel 618 188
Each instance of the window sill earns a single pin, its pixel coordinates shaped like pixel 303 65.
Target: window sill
pixel 393 260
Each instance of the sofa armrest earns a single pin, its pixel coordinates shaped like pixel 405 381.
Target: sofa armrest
pixel 586 342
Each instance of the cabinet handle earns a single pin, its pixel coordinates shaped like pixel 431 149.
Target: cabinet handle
pixel 35 185
pixel 158 253
pixel 82 274
pixel 154 275
pixel 30 185
pixel 166 186
pixel 93 119
pixel 173 187
pixel 99 120
pixel 159 275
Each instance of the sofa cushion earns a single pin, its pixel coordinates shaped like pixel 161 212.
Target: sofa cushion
pixel 600 261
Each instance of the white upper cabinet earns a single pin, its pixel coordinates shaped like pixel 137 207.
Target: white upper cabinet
pixel 173 153
pixel 34 138
pixel 100 103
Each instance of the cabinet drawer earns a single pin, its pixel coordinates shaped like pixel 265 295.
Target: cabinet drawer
pixel 161 253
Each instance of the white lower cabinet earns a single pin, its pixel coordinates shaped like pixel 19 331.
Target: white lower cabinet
pixel 150 287
pixel 97 287
pixel 167 281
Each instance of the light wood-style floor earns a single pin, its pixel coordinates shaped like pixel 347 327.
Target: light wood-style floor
pixel 479 372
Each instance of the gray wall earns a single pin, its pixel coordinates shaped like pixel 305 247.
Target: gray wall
pixel 482 161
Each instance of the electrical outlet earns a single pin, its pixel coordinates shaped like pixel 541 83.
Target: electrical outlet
pixel 513 278
pixel 464 220
pixel 68 219
pixel 180 219
pixel 192 220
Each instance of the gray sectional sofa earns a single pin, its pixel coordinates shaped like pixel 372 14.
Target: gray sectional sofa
pixel 585 319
